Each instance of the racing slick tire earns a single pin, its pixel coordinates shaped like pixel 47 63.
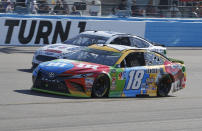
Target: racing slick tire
pixel 164 86
pixel 101 87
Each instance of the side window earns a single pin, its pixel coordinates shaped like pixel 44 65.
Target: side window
pixel 145 44
pixel 133 59
pixel 100 41
pixel 153 59
pixel 138 43
pixel 121 41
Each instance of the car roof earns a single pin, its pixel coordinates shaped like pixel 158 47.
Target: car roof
pixel 103 33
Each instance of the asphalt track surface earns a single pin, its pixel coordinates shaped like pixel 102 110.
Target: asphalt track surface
pixel 22 110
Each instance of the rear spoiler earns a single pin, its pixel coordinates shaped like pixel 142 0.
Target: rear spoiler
pixel 176 60
pixel 157 44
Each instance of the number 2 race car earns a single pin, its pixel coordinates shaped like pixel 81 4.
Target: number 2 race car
pixel 87 38
pixel 108 71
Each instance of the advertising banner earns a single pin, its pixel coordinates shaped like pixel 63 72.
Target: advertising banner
pixel 41 31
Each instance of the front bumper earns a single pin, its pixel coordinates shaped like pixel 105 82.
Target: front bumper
pixel 61 86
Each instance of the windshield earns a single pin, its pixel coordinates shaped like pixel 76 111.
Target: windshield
pixel 86 40
pixel 94 56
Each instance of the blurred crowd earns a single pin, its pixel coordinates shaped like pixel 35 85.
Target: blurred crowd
pixel 56 7
pixel 162 8
pixel 94 8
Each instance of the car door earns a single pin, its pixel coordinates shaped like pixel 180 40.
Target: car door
pixel 123 74
pixel 141 72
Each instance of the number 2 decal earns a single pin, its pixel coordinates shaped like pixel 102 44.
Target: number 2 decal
pixel 135 79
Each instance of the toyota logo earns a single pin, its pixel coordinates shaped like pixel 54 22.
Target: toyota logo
pixel 51 75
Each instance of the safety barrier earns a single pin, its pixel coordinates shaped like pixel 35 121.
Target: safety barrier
pixel 176 33
pixel 31 30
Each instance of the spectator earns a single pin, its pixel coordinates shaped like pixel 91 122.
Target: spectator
pixel 163 7
pixel 65 6
pixel 9 8
pixel 113 11
pixel 51 11
pixel 150 9
pixel 34 7
pixel 94 10
pixel 21 3
pixel 195 10
pixel 135 9
pixel 174 11
pixel 3 6
pixel 2 10
pixel 74 11
pixel 122 5
pixel 43 7
pixel 199 6
pixel 59 9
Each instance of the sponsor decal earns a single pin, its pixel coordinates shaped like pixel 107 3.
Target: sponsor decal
pixel 176 86
pixel 57 64
pixel 89 82
pixel 113 87
pixel 87 66
pixel 153 71
pixel 172 68
pixel 113 72
pixel 57 67
pixel 150 80
pixel 135 79
pixel 143 86
pixel 120 77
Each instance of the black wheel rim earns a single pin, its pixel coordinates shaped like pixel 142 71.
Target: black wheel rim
pixel 100 87
pixel 164 88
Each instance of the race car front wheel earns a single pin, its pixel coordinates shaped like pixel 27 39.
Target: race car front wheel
pixel 164 86
pixel 101 87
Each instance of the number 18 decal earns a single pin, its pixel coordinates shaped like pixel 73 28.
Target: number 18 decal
pixel 135 79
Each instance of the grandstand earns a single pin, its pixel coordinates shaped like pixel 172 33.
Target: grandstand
pixel 134 8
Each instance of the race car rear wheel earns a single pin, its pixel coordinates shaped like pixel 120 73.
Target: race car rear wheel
pixel 101 87
pixel 164 86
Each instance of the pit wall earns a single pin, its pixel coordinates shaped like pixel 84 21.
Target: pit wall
pixel 33 30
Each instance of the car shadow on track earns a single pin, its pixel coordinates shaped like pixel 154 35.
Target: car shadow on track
pixel 10 50
pixel 41 94
pixel 25 70
pixel 36 93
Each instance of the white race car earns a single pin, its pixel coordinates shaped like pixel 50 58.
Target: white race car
pixel 87 38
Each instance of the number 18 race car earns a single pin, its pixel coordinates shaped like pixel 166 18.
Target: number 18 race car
pixel 110 71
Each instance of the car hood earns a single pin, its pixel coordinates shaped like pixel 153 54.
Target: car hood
pixel 59 48
pixel 64 66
